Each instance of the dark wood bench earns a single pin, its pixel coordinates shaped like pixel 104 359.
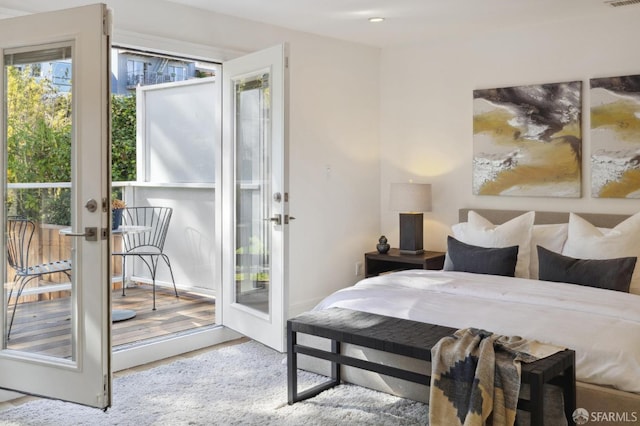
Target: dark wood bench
pixel 412 339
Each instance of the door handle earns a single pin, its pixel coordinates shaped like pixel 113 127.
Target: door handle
pixel 92 205
pixel 277 219
pixel 90 234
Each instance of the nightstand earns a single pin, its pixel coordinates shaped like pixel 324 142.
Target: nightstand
pixel 376 263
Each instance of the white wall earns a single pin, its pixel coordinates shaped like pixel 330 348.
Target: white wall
pixel 426 108
pixel 334 112
pixel 334 160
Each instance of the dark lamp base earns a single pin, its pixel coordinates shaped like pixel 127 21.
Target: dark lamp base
pixel 411 235
pixel 411 251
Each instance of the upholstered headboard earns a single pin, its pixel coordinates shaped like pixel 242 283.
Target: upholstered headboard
pixel 497 217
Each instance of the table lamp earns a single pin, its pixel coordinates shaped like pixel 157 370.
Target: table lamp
pixel 411 199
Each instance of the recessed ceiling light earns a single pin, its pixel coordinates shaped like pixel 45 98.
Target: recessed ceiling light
pixel 376 19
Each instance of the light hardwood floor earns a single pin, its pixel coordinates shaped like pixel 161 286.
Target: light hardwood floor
pixel 44 327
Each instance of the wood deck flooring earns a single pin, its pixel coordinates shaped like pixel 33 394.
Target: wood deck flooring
pixel 44 327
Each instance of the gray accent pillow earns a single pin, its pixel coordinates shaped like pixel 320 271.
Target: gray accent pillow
pixel 610 274
pixel 480 260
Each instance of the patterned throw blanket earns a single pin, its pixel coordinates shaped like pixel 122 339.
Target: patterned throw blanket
pixel 475 377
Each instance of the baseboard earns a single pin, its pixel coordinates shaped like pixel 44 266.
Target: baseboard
pixel 304 306
pixel 9 395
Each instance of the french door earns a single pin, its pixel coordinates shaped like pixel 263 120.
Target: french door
pixel 55 168
pixel 255 196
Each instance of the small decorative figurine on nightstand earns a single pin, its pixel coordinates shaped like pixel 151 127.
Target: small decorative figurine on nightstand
pixel 382 246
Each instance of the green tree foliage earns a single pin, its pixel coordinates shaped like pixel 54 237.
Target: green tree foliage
pixel 38 145
pixel 123 138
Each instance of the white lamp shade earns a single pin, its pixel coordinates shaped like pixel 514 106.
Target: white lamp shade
pixel 410 197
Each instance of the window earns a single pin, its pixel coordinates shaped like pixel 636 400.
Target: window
pixel 61 73
pixel 177 73
pixel 135 72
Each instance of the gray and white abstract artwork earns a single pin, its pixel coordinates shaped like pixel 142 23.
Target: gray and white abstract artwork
pixel 615 137
pixel 527 140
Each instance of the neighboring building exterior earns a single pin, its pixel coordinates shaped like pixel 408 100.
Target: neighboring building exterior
pixel 131 68
pixel 59 72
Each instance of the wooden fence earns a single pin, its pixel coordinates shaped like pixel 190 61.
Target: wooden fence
pixel 49 245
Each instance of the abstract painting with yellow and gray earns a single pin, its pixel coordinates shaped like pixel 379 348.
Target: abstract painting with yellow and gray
pixel 527 140
pixel 615 137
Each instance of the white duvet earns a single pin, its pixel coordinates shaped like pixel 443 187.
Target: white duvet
pixel 602 326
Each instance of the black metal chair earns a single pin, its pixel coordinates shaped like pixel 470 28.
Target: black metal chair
pixel 19 237
pixel 144 230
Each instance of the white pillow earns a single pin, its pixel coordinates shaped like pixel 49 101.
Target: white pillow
pixel 478 231
pixel 460 231
pixel 585 241
pixel 552 237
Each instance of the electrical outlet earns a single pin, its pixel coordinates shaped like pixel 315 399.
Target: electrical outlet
pixel 358 269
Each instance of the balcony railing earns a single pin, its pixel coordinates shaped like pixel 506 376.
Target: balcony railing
pixel 148 78
pixel 189 244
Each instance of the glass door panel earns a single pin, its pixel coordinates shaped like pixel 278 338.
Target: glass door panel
pixel 254 199
pixel 38 117
pixel 253 192
pixel 55 314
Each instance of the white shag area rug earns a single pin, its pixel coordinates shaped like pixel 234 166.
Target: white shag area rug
pixel 244 384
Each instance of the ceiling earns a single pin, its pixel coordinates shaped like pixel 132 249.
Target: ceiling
pixel 406 21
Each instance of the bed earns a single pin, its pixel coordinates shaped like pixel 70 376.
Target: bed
pixel 602 325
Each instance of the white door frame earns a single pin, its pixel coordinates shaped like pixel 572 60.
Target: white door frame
pixel 266 328
pixel 87 378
